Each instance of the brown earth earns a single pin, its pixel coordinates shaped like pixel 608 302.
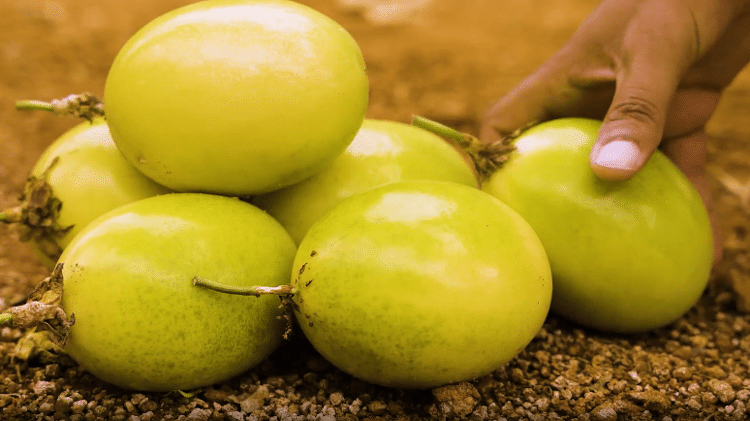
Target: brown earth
pixel 447 61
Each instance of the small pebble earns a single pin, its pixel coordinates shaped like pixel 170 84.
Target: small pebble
pixel 604 412
pixel 44 388
pixel 723 390
pixel 199 414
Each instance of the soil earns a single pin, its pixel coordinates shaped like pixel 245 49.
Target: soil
pixel 447 61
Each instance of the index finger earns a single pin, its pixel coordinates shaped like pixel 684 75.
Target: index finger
pixel 526 103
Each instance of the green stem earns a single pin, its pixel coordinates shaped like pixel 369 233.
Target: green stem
pixel 439 129
pixel 6 319
pixel 11 215
pixel 281 290
pixel 487 158
pixel 32 104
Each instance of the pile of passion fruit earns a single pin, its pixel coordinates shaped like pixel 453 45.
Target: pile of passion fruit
pixel 229 190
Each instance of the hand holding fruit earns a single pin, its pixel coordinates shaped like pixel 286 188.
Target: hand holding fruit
pixel 653 70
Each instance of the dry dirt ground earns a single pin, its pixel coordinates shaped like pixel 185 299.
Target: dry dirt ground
pixel 448 61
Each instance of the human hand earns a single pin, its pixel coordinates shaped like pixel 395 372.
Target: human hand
pixel 652 70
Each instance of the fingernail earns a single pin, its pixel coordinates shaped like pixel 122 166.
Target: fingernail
pixel 618 154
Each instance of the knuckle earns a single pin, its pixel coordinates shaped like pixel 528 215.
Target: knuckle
pixel 636 107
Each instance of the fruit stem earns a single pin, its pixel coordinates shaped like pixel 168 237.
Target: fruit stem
pixel 84 105
pixel 486 157
pixel 32 104
pixel 11 215
pixel 440 130
pixel 281 290
pixel 6 319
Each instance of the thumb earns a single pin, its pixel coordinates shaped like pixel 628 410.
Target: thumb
pixel 634 124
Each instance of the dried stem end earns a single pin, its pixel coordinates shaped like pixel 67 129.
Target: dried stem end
pixel 35 218
pixel 85 105
pixel 48 325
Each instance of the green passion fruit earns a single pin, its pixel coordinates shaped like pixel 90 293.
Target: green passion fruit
pixel 236 97
pixel 139 321
pixel 79 177
pixel 416 284
pixel 382 152
pixel 626 256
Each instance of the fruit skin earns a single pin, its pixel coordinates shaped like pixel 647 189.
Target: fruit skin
pixel 382 152
pixel 417 284
pixel 141 324
pixel 626 256
pixel 89 175
pixel 236 97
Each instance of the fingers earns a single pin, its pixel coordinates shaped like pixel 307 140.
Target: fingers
pixel 553 91
pixel 689 154
pixel 526 103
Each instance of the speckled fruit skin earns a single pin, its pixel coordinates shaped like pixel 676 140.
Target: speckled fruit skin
pixel 418 284
pixel 89 175
pixel 626 256
pixel 382 152
pixel 236 97
pixel 141 324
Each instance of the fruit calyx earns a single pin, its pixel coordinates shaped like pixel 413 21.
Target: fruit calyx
pixel 85 105
pixel 42 310
pixel 486 157
pixel 36 216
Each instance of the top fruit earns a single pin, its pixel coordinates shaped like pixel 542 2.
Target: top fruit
pixel 236 97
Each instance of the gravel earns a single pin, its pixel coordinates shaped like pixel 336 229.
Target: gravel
pixel 696 368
